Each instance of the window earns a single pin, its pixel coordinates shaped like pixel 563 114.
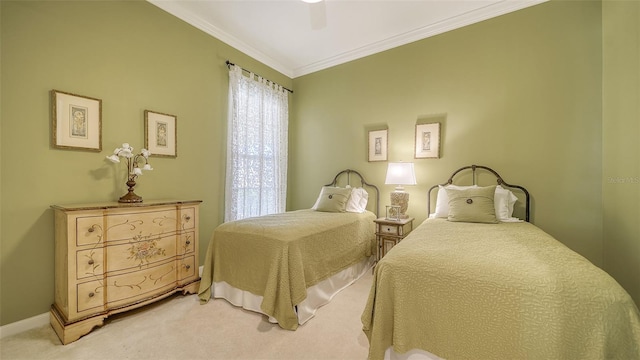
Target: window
pixel 256 179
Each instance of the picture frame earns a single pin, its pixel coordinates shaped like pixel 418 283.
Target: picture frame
pixel 161 134
pixel 378 145
pixel 427 141
pixel 76 121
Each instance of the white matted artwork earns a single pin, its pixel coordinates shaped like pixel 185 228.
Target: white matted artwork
pixel 161 133
pixel 378 145
pixel 427 141
pixel 77 121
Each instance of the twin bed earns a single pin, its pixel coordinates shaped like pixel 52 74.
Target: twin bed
pixel 288 265
pixel 471 282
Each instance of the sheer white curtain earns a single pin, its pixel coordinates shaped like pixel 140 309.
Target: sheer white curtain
pixel 256 179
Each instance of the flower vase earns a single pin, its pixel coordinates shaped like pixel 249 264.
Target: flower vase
pixel 130 197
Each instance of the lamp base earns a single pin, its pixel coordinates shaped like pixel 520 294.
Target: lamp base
pixel 401 199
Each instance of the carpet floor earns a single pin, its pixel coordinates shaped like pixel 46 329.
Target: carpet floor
pixel 180 328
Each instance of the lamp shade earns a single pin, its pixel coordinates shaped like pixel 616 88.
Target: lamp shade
pixel 400 174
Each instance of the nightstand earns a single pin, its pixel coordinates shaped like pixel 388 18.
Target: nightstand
pixel 391 232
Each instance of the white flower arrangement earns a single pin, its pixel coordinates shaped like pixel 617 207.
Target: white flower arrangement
pixel 133 162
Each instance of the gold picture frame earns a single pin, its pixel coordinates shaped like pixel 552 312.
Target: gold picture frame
pixel 76 121
pixel 378 145
pixel 161 134
pixel 427 141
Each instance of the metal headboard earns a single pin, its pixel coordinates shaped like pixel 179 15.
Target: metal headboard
pixel 499 180
pixel 363 182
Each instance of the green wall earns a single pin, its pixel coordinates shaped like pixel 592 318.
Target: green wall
pixel 520 93
pixel 621 148
pixel 133 56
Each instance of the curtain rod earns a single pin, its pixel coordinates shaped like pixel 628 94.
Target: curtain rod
pixel 229 64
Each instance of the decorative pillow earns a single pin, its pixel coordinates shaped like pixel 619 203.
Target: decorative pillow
pixel 442 201
pixel 472 205
pixel 357 202
pixel 504 200
pixel 333 199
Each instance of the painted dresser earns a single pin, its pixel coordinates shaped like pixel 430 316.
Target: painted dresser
pixel 114 257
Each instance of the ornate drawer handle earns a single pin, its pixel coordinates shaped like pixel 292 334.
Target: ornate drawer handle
pixel 188 217
pixel 188 267
pixel 91 262
pixel 92 228
pixel 188 242
pixel 91 294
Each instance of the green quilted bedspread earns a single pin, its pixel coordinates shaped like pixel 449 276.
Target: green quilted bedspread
pixel 496 291
pixel 279 256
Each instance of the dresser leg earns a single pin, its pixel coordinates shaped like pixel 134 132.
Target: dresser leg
pixel 73 331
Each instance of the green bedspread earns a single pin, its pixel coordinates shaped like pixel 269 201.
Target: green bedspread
pixel 279 256
pixel 496 291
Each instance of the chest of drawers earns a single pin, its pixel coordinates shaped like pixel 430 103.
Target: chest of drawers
pixel 115 257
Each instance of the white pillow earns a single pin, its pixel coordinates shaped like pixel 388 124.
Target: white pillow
pixel 504 201
pixel 442 201
pixel 357 203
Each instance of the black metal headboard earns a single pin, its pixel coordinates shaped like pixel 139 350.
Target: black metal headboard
pixel 363 182
pixel 499 180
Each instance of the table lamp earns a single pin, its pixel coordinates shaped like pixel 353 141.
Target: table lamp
pixel 400 174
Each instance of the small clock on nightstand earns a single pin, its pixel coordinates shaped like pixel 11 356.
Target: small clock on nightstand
pixel 391 232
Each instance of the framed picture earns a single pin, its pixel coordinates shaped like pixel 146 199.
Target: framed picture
pixel 77 121
pixel 378 145
pixel 161 134
pixel 427 141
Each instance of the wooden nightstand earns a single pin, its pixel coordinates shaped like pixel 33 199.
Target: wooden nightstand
pixel 391 232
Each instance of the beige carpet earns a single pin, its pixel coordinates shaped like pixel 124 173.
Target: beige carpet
pixel 180 328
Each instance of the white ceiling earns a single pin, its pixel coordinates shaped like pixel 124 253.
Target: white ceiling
pixel 297 38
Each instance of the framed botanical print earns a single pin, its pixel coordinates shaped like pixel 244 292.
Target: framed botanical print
pixel 161 134
pixel 76 121
pixel 378 145
pixel 427 141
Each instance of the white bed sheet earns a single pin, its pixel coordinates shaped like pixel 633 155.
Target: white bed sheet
pixel 317 295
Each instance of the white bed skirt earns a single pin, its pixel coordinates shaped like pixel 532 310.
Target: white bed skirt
pixel 317 295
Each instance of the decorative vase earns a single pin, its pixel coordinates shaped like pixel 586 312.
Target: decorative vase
pixel 130 197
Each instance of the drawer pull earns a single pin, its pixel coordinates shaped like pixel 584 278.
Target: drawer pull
pixel 91 262
pixel 91 294
pixel 188 242
pixel 188 217
pixel 188 267
pixel 92 228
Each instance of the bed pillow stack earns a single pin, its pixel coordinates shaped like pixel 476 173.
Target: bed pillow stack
pixel 474 204
pixel 503 202
pixel 332 199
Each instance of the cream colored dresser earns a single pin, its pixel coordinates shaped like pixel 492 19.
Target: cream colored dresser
pixel 115 257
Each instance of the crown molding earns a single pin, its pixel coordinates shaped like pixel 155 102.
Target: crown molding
pixel 471 17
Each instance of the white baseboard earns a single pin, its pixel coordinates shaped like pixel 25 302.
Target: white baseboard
pixel 34 322
pixel 24 325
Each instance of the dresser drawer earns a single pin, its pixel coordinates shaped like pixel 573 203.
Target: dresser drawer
pixel 186 243
pixel 138 285
pixel 90 297
pixel 89 263
pixel 127 226
pixel 88 230
pixel 389 229
pixel 188 218
pixel 140 252
pixel 186 269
